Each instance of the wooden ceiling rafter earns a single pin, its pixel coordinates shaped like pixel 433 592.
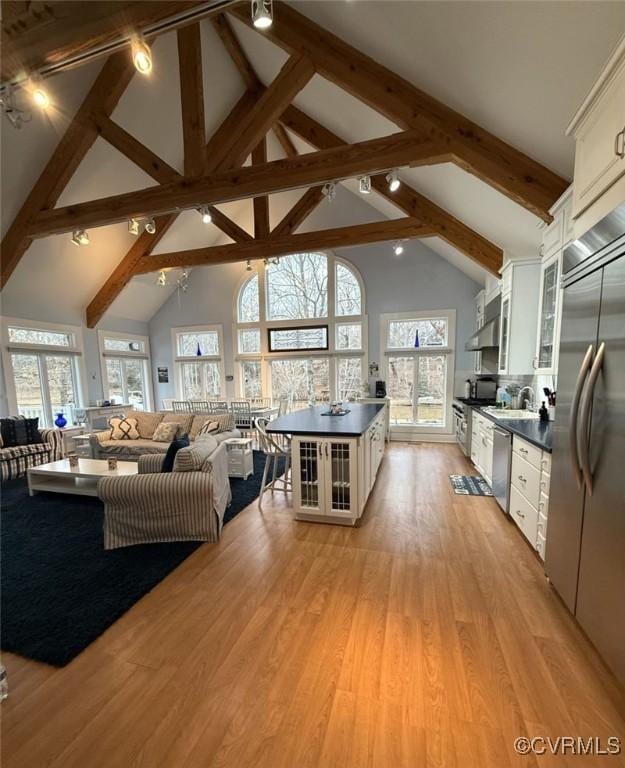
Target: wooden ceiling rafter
pixel 338 237
pixel 470 146
pixel 261 203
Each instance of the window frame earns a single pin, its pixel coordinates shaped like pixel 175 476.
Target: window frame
pixel 448 351
pixel 331 320
pixel 180 359
pixel 74 352
pixel 116 354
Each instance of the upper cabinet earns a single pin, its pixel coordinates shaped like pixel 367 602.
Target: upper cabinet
pixel 520 281
pixel 599 131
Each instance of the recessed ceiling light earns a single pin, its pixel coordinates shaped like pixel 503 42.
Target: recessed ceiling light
pixel 80 237
pixel 142 57
pixel 150 226
pixel 40 97
pixel 262 13
pixel 393 180
pixel 364 185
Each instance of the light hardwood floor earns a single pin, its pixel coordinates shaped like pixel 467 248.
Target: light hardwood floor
pixel 428 636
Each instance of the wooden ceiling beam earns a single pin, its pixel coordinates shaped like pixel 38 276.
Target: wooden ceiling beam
pixel 39 34
pixel 299 212
pixel 144 245
pixel 261 202
pixel 339 237
pixel 478 151
pixel 293 76
pixel 285 140
pixel 69 153
pixel 367 157
pixel 407 199
pixel 192 100
pixel 231 43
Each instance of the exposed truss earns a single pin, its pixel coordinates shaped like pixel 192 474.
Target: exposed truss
pixel 214 173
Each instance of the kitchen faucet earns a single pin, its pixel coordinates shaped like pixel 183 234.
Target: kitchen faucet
pixel 531 401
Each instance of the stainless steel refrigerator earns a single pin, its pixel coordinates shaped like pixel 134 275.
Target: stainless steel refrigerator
pixel 585 555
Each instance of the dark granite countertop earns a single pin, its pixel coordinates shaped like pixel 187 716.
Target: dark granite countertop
pixel 309 421
pixel 535 431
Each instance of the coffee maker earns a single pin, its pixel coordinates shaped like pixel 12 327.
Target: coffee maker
pixel 380 388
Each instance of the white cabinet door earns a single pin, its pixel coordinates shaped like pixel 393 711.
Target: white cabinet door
pixel 504 333
pixel 600 144
pixel 340 477
pixel 547 343
pixel 308 475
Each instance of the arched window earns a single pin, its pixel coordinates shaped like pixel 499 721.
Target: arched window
pixel 301 330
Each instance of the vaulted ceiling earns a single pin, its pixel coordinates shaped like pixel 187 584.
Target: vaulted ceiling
pixel 519 70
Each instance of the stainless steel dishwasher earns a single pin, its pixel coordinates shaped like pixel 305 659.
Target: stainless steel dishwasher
pixel 502 460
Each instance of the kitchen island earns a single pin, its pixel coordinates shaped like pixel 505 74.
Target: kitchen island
pixel 335 459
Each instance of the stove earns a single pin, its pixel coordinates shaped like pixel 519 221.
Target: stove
pixel 462 410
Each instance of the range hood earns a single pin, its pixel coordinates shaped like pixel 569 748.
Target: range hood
pixel 488 335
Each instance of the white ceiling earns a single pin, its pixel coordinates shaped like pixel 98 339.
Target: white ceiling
pixel 518 69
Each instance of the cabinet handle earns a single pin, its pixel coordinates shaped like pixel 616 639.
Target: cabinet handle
pixel 523 450
pixel 619 144
pixel 522 479
pixel 519 513
pixel 327 451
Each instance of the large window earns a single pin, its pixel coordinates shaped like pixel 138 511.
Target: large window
pixel 300 330
pixel 125 360
pixel 199 362
pixel 44 370
pixel 418 354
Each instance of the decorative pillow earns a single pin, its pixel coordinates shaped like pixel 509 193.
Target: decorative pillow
pixel 176 445
pixel 184 420
pixel 166 432
pixel 18 430
pixel 225 421
pixel 124 429
pixel 209 428
pixel 146 422
pixel 193 458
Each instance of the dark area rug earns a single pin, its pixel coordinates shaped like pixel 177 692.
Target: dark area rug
pixel 60 588
pixel 470 485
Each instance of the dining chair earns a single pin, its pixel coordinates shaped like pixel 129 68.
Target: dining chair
pixel 274 452
pixel 199 406
pixel 242 412
pixel 217 406
pixel 181 406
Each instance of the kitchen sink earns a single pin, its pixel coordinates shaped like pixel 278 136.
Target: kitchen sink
pixel 510 413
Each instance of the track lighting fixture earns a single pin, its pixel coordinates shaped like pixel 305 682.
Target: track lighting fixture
pixel 398 248
pixel 248 268
pixel 150 226
pixel 206 215
pixel 14 114
pixel 262 13
pixel 142 56
pixel 80 237
pixel 40 97
pixel 329 191
pixel 393 180
pixel 162 278
pixel 364 185
pixel 133 226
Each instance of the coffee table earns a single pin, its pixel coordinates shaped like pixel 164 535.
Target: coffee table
pixel 59 477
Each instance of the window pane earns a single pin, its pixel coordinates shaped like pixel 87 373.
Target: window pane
pixel 348 298
pixel 28 387
pixel 350 377
pixel 298 338
pixel 123 345
pixel 114 379
pixel 402 334
pixel 135 384
pixel 299 380
pixel 206 341
pixel 400 388
pixel 431 395
pixel 200 381
pixel 249 341
pixel 32 336
pixel 248 310
pixel 349 336
pixel 297 287
pixel 251 376
pixel 61 385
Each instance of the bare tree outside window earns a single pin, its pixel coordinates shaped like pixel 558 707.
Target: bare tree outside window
pixel 348 295
pixel 249 305
pixel 297 287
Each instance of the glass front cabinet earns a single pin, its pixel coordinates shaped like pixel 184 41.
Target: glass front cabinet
pixel 504 334
pixel 548 322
